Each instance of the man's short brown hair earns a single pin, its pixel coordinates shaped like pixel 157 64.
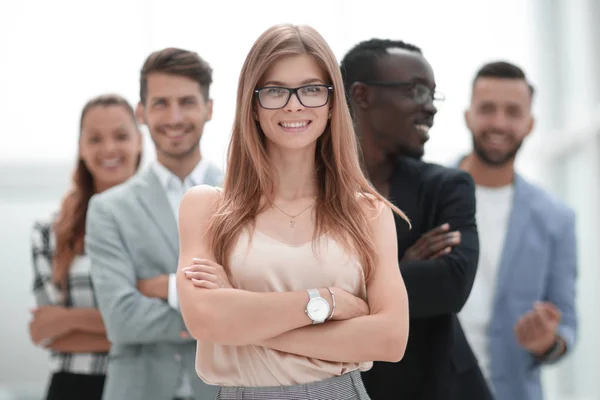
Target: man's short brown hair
pixel 179 62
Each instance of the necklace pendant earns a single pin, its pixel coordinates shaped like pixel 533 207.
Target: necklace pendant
pixel 292 222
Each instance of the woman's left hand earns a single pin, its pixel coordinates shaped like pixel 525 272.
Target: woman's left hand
pixel 207 274
pixel 49 323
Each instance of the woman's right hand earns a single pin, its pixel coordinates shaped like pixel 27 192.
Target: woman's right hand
pixel 347 306
pixel 207 274
pixel 49 323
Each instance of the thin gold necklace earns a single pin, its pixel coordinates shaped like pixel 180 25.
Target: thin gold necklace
pixel 293 217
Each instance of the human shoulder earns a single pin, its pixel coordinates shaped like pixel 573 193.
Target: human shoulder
pixel 444 175
pixel 201 200
pixel 118 194
pixel 379 216
pixel 376 209
pixel 42 235
pixel 432 175
pixel 205 191
pixel 546 206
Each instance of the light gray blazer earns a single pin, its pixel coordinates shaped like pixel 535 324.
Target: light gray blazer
pixel 131 234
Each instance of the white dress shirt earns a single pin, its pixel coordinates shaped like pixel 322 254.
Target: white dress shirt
pixel 175 189
pixel 493 211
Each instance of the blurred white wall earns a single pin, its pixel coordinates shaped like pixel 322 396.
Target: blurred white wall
pixel 567 65
pixel 56 55
pixel 27 192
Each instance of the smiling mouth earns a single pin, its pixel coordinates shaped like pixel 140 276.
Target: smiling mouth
pixel 496 140
pixel 423 130
pixel 175 135
pixel 294 125
pixel 176 131
pixel 112 163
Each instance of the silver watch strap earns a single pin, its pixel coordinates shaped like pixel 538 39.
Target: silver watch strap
pixel 313 294
pixel 333 304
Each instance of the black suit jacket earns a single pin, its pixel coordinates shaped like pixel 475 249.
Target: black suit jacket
pixel 438 362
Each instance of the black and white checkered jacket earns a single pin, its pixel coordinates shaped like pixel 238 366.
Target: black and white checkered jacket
pixel 79 293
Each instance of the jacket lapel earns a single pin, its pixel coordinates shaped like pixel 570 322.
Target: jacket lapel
pixel 517 225
pixel 406 193
pixel 153 199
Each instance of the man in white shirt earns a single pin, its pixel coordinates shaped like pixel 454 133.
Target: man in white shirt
pixel 521 311
pixel 132 239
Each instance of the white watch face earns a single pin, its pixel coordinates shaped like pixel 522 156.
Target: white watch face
pixel 317 309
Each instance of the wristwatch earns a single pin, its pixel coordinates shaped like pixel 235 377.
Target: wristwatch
pixel 317 307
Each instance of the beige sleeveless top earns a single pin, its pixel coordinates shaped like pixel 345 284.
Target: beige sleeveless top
pixel 260 263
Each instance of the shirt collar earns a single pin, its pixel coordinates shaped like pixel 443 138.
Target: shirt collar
pixel 168 179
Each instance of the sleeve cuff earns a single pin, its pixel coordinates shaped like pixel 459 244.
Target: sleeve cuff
pixel 556 352
pixel 568 334
pixel 172 295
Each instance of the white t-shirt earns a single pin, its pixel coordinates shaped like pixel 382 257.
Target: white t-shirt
pixel 493 212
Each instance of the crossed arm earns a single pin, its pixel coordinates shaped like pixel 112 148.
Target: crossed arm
pixel 130 317
pixel 68 330
pixel 277 320
pixel 448 278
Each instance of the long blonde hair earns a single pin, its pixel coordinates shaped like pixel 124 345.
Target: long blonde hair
pixel 249 174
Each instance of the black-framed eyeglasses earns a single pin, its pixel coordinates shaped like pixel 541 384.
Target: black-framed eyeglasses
pixel 420 93
pixel 276 97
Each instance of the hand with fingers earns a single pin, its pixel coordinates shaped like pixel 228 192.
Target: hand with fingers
pixel 433 244
pixel 207 274
pixel 536 330
pixel 348 306
pixel 48 323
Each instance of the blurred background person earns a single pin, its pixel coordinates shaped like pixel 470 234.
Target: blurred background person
pixel 521 312
pixel 132 238
pixel 392 90
pixel 66 320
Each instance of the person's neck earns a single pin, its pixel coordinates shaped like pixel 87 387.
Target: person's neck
pixel 100 187
pixel 180 167
pixel 488 175
pixel 378 165
pixel 295 174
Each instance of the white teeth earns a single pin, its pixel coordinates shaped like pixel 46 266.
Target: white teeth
pixel 112 162
pixel 294 124
pixel 422 128
pixel 174 134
